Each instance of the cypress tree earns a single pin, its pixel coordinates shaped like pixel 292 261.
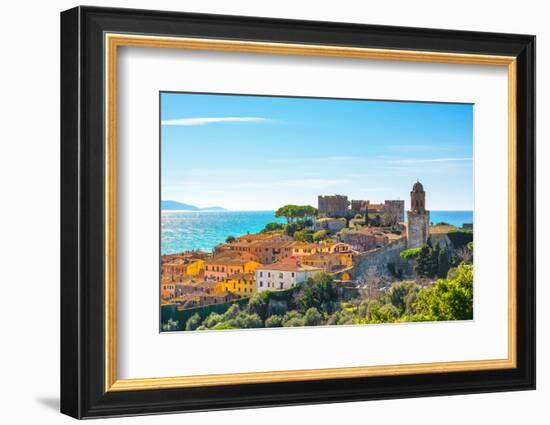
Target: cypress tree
pixel 422 265
pixel 444 263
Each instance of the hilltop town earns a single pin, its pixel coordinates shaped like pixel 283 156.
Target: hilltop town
pixel 361 245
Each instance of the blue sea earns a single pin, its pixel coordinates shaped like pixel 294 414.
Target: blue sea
pixel 203 230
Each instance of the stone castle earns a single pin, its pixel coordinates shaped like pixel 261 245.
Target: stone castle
pixel 338 206
pixel 418 218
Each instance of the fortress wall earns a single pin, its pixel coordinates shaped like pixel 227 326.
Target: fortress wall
pixel 379 258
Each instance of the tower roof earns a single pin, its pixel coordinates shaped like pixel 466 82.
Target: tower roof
pixel 417 187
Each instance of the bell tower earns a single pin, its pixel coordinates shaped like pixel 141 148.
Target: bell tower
pixel 418 219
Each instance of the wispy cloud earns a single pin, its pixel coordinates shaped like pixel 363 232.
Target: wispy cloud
pixel 312 159
pixel 424 147
pixel 427 161
pixel 213 120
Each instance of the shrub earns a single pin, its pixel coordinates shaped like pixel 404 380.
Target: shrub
pixel 231 312
pixel 293 318
pixel 230 239
pixel 170 325
pixel 274 321
pixel 246 320
pixel 212 320
pixel 312 317
pixel 379 313
pixel 193 322
pixel 410 254
pixel 319 235
pixel 303 235
pixel 223 326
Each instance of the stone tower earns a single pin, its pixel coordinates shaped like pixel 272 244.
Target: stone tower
pixel 418 219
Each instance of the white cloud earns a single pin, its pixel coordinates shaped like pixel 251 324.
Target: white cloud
pixel 312 159
pixel 212 120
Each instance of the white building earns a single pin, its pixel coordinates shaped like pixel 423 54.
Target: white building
pixel 283 275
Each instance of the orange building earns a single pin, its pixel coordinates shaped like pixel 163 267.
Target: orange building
pixel 266 251
pixel 221 266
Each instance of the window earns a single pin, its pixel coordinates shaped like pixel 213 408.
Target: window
pixel 261 284
pixel 292 274
pixel 261 274
pixel 268 274
pixel 280 275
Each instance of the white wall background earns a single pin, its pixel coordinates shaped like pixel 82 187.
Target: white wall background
pixel 29 208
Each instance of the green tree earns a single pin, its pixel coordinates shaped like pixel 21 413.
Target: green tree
pixel 444 263
pixel 422 264
pixel 258 304
pixel 319 235
pixel 212 320
pixel 230 239
pixel 433 260
pixel 402 295
pixel 291 228
pixel 193 322
pixel 312 317
pixel 382 313
pixel 245 320
pixel 293 319
pixel 317 292
pixel 292 212
pixel 460 238
pixel 272 227
pixel 448 299
pixel 274 321
pixel 303 235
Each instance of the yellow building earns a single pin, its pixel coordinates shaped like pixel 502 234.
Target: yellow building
pixel 243 284
pixel 195 268
pixel 224 265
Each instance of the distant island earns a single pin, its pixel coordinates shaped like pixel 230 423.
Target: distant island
pixel 174 205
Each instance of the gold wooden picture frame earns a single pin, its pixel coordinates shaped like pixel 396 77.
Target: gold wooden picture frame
pixel 97 291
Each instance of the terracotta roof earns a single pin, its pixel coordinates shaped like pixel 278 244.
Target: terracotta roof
pixel 288 265
pixel 441 229
pixel 230 256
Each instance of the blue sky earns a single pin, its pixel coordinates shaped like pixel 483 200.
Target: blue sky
pixel 259 153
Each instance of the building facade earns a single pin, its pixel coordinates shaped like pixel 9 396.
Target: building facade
pixel 418 218
pixel 242 284
pixel 222 266
pixel 283 275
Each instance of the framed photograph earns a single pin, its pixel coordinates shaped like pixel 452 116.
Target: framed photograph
pixel 261 212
